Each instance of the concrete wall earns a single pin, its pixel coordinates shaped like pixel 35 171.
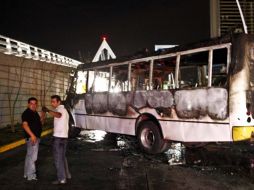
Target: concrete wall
pixel 21 78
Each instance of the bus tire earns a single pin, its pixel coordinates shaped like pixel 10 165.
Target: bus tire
pixel 150 138
pixel 73 130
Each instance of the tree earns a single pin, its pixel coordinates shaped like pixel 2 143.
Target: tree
pixel 46 85
pixel 11 93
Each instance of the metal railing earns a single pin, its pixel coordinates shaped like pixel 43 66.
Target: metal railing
pixel 13 47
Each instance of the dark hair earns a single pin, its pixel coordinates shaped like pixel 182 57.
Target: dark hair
pixel 56 97
pixel 32 99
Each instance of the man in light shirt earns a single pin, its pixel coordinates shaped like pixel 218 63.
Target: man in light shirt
pixel 60 138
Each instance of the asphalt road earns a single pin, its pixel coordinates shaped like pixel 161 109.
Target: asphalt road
pixel 105 162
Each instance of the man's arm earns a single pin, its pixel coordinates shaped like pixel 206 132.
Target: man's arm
pixel 55 114
pixel 29 132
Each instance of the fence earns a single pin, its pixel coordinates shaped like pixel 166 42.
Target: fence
pixel 13 47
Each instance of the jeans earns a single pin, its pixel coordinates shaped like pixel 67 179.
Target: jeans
pixel 31 157
pixel 61 164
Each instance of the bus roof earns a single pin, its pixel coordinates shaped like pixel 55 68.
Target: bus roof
pixel 145 56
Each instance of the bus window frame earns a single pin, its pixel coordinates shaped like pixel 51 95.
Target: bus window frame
pixel 157 57
pixel 210 60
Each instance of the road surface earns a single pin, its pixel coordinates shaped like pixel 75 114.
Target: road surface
pixel 105 162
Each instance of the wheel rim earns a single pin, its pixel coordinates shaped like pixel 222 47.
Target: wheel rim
pixel 147 138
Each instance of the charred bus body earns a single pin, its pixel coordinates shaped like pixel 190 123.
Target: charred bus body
pixel 202 92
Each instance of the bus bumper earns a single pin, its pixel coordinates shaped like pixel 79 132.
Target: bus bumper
pixel 241 133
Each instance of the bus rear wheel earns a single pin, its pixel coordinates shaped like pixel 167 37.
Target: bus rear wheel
pixel 150 139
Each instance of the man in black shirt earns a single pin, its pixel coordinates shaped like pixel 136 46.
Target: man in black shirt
pixel 32 125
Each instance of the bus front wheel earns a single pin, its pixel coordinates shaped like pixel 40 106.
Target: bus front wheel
pixel 73 131
pixel 150 138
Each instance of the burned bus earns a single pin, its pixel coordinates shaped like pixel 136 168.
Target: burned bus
pixel 201 92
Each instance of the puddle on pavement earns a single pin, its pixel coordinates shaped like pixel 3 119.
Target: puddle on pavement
pixel 176 154
pixel 218 157
pixel 92 136
pixel 128 145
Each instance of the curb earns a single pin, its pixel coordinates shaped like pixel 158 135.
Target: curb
pixel 21 142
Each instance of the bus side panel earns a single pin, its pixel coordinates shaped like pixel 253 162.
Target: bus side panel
pixel 241 81
pixel 196 132
pixel 80 121
pixel 107 122
pixel 111 124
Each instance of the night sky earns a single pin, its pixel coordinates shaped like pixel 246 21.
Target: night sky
pixel 68 27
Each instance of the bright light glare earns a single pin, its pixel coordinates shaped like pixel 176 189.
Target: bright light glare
pixel 101 84
pixel 81 83
pixel 116 89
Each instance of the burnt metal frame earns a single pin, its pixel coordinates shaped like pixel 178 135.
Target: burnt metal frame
pixel 178 55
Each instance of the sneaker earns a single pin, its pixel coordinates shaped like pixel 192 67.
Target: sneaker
pixel 32 179
pixel 61 182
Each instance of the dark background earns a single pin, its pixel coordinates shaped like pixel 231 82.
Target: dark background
pixel 68 27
